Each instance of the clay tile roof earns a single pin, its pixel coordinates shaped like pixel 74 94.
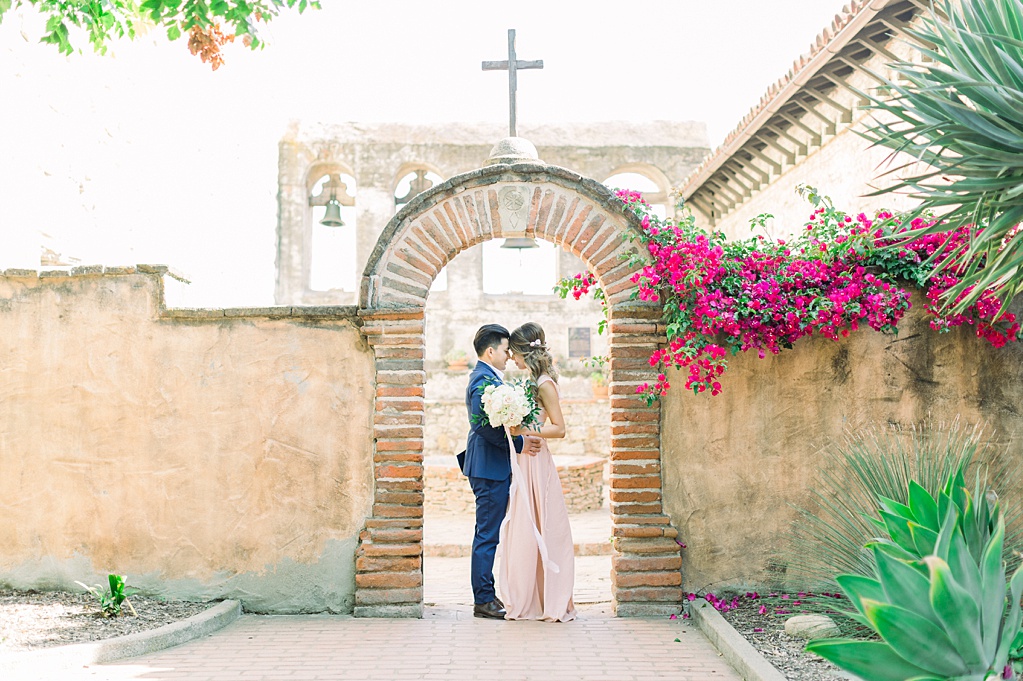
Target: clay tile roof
pixel 858 12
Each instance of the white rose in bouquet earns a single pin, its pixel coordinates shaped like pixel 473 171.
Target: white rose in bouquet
pixel 506 404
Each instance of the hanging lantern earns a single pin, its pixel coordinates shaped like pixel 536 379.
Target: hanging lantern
pixel 520 243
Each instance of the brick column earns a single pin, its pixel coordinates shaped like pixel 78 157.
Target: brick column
pixel 389 560
pixel 646 577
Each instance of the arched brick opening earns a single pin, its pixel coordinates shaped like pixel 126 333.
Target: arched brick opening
pixel 583 217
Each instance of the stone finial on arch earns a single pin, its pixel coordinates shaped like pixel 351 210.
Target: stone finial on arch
pixel 546 202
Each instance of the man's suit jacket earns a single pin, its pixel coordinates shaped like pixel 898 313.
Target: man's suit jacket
pixel 486 449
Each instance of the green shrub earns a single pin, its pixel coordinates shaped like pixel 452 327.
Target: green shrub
pixel 830 532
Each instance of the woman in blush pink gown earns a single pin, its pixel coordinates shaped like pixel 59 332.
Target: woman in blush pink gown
pixel 537 572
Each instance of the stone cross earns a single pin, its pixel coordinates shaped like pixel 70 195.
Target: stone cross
pixel 512 66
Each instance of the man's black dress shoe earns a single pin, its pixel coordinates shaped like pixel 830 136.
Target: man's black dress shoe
pixel 499 602
pixel 492 610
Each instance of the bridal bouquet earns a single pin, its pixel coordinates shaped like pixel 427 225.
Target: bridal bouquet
pixel 510 404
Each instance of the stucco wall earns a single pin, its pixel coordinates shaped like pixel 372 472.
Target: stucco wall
pixel 732 464
pixel 202 455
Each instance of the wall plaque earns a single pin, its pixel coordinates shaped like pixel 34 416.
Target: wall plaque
pixel 578 342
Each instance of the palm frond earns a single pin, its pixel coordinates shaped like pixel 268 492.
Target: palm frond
pixel 960 112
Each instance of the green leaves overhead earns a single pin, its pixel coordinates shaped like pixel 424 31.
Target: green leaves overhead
pixel 960 111
pixel 209 25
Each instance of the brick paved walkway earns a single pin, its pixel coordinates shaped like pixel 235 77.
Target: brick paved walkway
pixel 448 643
pixel 445 645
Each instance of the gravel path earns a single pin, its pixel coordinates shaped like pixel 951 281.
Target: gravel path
pixel 32 620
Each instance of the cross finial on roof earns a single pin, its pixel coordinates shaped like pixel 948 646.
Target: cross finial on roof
pixel 512 66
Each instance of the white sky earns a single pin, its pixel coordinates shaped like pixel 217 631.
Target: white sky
pixel 145 155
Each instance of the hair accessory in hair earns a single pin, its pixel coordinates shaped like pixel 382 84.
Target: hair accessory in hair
pixel 535 343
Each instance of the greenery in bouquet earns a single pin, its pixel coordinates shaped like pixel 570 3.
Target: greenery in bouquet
pixel 510 403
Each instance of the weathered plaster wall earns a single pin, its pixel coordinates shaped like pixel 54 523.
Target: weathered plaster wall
pixel 203 455
pixel 732 464
pixel 377 155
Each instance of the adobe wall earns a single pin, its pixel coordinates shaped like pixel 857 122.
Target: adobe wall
pixel 202 453
pixel 732 464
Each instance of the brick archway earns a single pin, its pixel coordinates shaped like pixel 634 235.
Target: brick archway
pixel 583 217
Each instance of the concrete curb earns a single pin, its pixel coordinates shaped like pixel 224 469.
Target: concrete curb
pixel 83 654
pixel 736 650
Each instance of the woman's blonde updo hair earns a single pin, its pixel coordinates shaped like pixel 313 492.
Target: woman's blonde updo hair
pixel 529 343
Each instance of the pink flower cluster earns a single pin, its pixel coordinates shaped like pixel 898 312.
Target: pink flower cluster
pixel 793 601
pixel 722 297
pixel 581 284
pixel 720 604
pixel 755 295
pixel 984 313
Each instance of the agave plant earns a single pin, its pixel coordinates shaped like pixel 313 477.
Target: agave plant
pixel 914 528
pixel 960 111
pixel 943 616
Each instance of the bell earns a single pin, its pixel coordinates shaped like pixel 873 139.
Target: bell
pixel 520 243
pixel 332 216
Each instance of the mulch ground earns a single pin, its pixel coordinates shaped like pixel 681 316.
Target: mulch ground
pixel 761 621
pixel 30 620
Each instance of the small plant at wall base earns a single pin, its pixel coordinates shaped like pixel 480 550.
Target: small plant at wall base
pixel 110 603
pixel 721 297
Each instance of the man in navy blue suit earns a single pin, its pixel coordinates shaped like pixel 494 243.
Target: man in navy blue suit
pixel 486 463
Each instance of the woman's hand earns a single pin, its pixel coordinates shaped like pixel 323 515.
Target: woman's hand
pixel 515 431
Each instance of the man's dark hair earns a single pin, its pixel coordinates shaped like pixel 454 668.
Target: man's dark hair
pixel 489 336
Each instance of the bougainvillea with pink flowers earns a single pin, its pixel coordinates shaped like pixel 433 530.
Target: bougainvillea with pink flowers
pixel 722 297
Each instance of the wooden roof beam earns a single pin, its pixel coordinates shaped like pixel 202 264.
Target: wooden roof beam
pixel 815 137
pixel 747 190
pixel 801 145
pixel 847 114
pixel 753 151
pixel 841 82
pixel 722 186
pixel 878 50
pixel 750 164
pixel 829 125
pixel 719 201
pixel 789 154
pixel 900 27
pixel 861 68
pixel 705 208
pixel 740 169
